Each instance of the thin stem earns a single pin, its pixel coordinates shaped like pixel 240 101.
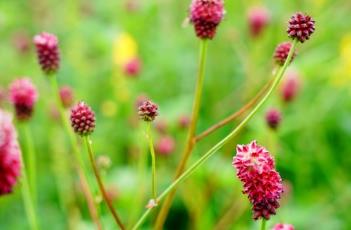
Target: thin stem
pixel 79 164
pixel 31 156
pixel 263 224
pixel 235 115
pixel 27 199
pixel 161 218
pixel 101 185
pixel 153 161
pixel 225 140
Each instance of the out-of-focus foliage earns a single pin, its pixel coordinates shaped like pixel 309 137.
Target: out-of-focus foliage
pixel 312 145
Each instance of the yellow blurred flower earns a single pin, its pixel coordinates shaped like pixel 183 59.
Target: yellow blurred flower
pixel 124 49
pixel 343 70
pixel 108 108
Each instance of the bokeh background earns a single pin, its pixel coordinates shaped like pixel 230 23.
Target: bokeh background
pixel 312 145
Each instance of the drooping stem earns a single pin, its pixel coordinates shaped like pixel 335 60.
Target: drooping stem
pixel 153 161
pixel 100 184
pixel 31 161
pixel 225 140
pixel 161 218
pixel 27 199
pixel 79 163
pixel 263 224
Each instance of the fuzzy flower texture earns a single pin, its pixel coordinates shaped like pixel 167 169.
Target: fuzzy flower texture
pixel 82 119
pixel 23 95
pixel 148 111
pixel 10 165
pixel 47 51
pixel 262 183
pixel 301 27
pixel 206 16
pixel 281 53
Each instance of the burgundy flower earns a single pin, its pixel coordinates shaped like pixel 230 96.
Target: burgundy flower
pixel 300 27
pixel 290 86
pixel 66 95
pixel 262 183
pixel 273 118
pixel 206 16
pixel 23 95
pixel 281 53
pixel 148 111
pixel 283 227
pixel 132 67
pixel 10 163
pixel 47 52
pixel 184 121
pixel 165 145
pixel 258 18
pixel 82 119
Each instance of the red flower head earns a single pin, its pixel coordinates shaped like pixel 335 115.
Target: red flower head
pixel 161 126
pixel 10 165
pixel 23 95
pixel 258 18
pixel 300 27
pixel 47 52
pixel 66 95
pixel 273 118
pixel 82 119
pixel 281 53
pixel 132 67
pixel 184 121
pixel 148 111
pixel 165 145
pixel 290 86
pixel 206 16
pixel 283 227
pixel 262 183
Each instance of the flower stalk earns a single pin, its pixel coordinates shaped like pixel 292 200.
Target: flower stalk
pixel 31 160
pixel 28 200
pixel 88 144
pixel 215 148
pixel 153 161
pixel 263 224
pixel 161 218
pixel 79 164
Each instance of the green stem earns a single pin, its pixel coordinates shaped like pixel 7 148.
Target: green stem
pixel 27 199
pixel 101 185
pixel 31 160
pixel 79 164
pixel 225 140
pixel 263 224
pixel 153 161
pixel 191 133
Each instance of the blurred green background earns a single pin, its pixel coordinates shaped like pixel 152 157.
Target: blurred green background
pixel 312 146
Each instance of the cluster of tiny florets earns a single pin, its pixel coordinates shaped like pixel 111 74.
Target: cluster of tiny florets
pixel 23 95
pixel 206 15
pixel 10 163
pixel 48 52
pixel 273 118
pixel 262 183
pixel 281 53
pixel 82 119
pixel 148 111
pixel 300 27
